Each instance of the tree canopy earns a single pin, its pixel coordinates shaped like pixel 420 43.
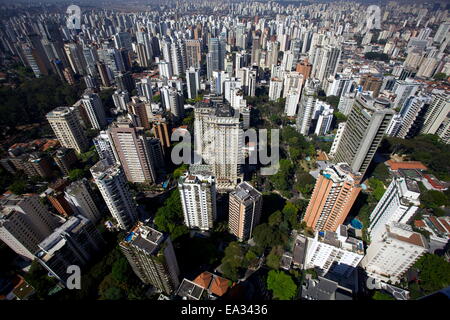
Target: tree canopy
pixel 169 217
pixel 281 285
pixel 434 275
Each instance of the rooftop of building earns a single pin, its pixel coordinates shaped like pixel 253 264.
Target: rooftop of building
pixel 403 232
pixel 144 237
pixel 190 290
pixel 245 191
pixel 340 239
pixel 56 239
pixel 102 168
pixel 60 111
pixel 324 289
pixel 195 178
pixel 341 171
pixel 396 165
pixel 213 283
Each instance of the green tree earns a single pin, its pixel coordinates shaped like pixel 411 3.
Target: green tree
pixel 440 76
pixel 18 187
pixel 378 295
pixel 275 218
pixel 333 101
pixel 121 270
pixel 76 174
pixel 114 293
pixel 378 188
pixel 340 117
pixel 169 218
pixel 434 274
pixel 282 285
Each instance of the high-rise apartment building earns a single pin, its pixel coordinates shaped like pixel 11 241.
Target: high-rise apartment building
pixel 215 56
pixel 364 130
pixel 335 192
pixel 412 114
pixel 436 113
pixel 219 141
pixel 245 206
pixel 114 189
pixel 67 128
pixel 334 252
pixel 132 149
pixel 398 204
pixel 103 145
pixel 291 105
pixel 75 242
pixel 404 89
pixel 79 196
pixel 306 107
pixel 275 89
pixel 198 198
pixel 137 109
pixel 94 109
pixel 24 223
pixel 151 255
pixel 192 82
pixel 193 53
pixel 394 252
pixel 172 101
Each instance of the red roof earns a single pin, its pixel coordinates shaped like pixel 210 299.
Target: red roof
pixel 204 279
pixel 434 182
pixel 419 223
pixel 445 224
pixel 395 165
pixel 219 286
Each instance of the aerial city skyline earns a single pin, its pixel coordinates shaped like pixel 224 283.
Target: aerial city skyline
pixel 224 150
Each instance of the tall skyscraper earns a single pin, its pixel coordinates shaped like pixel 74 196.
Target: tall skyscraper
pixel 144 88
pixel 364 130
pixel 198 198
pixel 94 108
pixel 75 242
pixel 335 192
pixel 172 100
pixel 436 113
pixel 24 223
pixel 104 147
pixel 193 53
pixel 131 146
pixel 398 204
pixel 79 196
pixel 67 128
pixel 404 89
pixel 219 141
pixel 291 105
pixel 275 89
pixel 192 82
pixel 114 189
pixel 138 111
pixel 412 114
pixel 325 63
pixel 306 108
pixel 120 99
pixel 151 255
pixel 245 206
pixel 215 56
pixel 391 255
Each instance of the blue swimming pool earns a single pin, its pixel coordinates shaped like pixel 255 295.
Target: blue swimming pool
pixel 357 224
